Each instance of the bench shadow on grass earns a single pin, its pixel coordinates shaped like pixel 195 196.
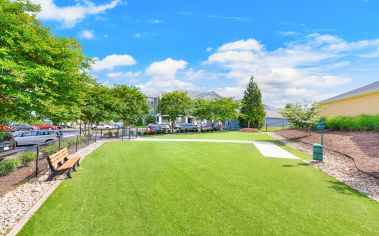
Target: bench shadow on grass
pixel 296 165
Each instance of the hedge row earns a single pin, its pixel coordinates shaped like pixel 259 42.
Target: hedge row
pixel 353 123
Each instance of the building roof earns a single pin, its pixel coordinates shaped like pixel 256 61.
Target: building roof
pixel 272 112
pixel 192 94
pixel 373 87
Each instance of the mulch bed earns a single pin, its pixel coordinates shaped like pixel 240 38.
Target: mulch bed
pixel 363 147
pixel 20 175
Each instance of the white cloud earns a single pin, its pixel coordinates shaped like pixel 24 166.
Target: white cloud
pixel 86 34
pixel 137 35
pixel 69 16
pixel 121 75
pixel 112 61
pixel 155 21
pixel 301 69
pixel 163 76
pixel 236 18
pixel 208 49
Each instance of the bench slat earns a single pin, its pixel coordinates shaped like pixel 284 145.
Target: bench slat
pixel 69 163
pixel 58 156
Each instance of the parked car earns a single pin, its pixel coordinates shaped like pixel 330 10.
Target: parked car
pixel 5 128
pixel 210 127
pixel 65 126
pixel 186 127
pixel 206 127
pixel 104 127
pixel 36 137
pixel 155 128
pixel 48 127
pixel 23 127
pixel 7 142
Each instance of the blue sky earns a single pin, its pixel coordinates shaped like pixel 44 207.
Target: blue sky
pixel 295 49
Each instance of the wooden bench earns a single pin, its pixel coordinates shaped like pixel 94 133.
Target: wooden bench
pixel 59 162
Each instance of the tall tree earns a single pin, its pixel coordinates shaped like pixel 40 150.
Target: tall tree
pixel 252 109
pixel 174 105
pixel 41 75
pixel 130 103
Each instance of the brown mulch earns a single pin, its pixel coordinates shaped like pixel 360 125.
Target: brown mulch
pixel 363 147
pixel 21 175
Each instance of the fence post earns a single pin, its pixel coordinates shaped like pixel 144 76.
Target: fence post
pixel 37 155
pixel 59 144
pixel 129 132
pixel 88 139
pixel 95 135
pixel 122 133
pixel 266 127
pixel 137 132
pixel 77 141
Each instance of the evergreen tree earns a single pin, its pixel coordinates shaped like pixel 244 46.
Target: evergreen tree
pixel 252 109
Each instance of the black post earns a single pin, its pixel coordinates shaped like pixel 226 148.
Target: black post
pixel 129 132
pixel 59 144
pixel 95 135
pixel 80 127
pixel 77 141
pixel 88 139
pixel 266 127
pixel 37 154
pixel 101 133
pixel 137 132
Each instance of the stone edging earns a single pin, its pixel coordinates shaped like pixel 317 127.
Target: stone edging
pixel 20 224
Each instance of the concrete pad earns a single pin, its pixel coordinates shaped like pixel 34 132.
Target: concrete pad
pixel 269 149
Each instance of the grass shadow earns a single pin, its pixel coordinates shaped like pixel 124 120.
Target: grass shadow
pixel 298 164
pixel 342 188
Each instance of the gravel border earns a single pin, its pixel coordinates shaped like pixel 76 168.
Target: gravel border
pixel 18 205
pixel 338 166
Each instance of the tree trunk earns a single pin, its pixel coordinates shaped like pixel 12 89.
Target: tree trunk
pixel 248 124
pixel 172 126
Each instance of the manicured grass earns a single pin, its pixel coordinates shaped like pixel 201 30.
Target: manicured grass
pixel 182 188
pixel 272 128
pixel 222 135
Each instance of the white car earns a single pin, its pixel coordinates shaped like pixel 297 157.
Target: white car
pixel 104 127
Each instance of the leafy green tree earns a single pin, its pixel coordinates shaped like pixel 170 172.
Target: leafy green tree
pixel 150 119
pixel 41 75
pixel 303 116
pixel 224 109
pixel 202 109
pixel 252 109
pixel 174 105
pixel 97 105
pixel 130 103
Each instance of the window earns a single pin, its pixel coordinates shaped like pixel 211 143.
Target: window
pixel 27 134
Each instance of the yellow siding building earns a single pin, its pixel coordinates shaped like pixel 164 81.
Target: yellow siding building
pixel 361 101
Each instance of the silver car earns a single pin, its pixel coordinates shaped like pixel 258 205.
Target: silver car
pixel 37 137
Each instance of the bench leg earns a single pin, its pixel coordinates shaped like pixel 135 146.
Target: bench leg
pixel 74 167
pixel 77 163
pixel 69 174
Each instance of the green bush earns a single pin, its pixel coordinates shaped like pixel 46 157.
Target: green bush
pixel 50 149
pixel 27 157
pixel 353 123
pixel 7 166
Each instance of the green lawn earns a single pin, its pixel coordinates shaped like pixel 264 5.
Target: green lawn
pixel 182 188
pixel 224 135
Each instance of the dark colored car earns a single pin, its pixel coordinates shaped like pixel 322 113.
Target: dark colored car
pixel 206 127
pixel 186 127
pixel 23 127
pixel 7 142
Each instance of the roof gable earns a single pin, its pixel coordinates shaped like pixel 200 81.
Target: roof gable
pixel 373 87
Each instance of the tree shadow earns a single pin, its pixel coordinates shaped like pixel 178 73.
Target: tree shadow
pixel 296 165
pixel 342 188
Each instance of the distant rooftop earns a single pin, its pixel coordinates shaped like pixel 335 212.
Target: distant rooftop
pixel 373 87
pixel 192 94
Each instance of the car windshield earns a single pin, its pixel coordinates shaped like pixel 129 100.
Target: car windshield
pixel 32 133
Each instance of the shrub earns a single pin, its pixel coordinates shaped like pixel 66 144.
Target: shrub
pixel 50 149
pixel 353 123
pixel 7 166
pixel 27 157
